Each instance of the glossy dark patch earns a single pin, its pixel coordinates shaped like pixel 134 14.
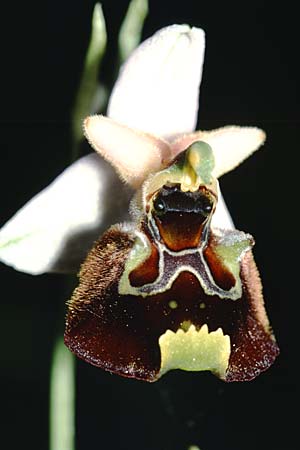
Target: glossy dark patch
pixel 171 198
pixel 180 216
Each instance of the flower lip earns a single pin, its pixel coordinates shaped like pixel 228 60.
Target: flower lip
pixel 111 335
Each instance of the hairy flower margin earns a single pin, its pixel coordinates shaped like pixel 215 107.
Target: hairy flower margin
pixel 151 117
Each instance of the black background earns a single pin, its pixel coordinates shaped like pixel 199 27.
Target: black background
pixel 250 77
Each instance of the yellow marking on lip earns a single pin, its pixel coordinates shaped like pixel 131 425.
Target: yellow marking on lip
pixel 173 304
pixel 185 325
pixel 195 350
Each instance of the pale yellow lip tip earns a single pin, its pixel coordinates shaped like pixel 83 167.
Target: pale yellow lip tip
pixel 195 350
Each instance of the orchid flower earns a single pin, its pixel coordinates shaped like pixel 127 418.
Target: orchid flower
pixel 148 139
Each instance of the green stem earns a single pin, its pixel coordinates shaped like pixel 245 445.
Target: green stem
pixel 62 398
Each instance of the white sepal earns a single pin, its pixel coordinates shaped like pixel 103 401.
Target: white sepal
pixel 56 228
pixel 158 87
pixel 221 217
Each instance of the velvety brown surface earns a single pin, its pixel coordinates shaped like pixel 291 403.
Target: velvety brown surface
pixel 120 333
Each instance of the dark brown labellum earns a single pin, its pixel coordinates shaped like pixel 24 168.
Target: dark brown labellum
pixel 172 293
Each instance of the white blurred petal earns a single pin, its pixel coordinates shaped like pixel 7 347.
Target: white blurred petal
pixel 56 228
pixel 221 217
pixel 231 145
pixel 132 153
pixel 158 87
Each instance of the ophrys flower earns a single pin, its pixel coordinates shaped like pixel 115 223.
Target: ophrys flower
pixel 176 286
